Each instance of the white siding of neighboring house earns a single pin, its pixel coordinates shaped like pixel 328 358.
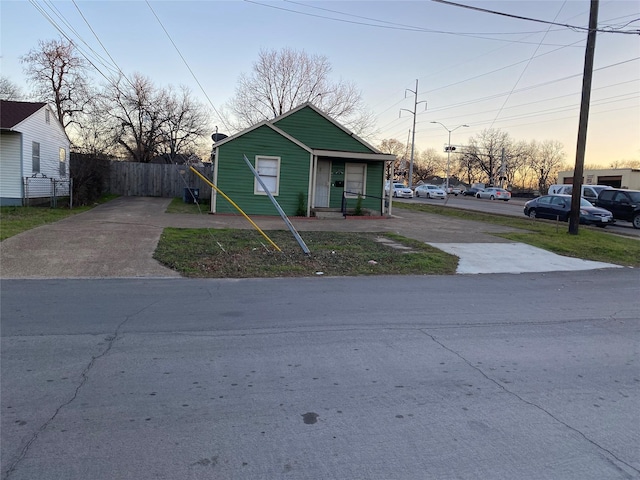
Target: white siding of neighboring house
pixel 51 137
pixel 10 171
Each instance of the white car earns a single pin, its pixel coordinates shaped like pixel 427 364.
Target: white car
pixel 400 191
pixel 430 191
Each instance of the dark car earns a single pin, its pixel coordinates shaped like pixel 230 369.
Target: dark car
pixel 624 204
pixel 471 192
pixel 559 207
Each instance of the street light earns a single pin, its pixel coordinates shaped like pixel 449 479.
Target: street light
pixel 449 149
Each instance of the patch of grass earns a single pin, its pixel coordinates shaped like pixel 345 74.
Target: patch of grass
pixel 177 205
pixel 229 253
pixel 15 220
pixel 590 244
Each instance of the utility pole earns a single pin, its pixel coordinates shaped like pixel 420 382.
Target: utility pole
pixel 413 130
pixel 578 171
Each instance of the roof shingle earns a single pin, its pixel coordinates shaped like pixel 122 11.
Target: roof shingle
pixel 12 113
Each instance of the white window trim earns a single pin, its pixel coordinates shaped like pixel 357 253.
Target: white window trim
pixel 364 180
pixel 62 162
pixel 33 158
pixel 256 185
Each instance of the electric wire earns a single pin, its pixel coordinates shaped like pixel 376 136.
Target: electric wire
pixel 525 67
pixel 187 65
pixel 411 27
pixel 519 17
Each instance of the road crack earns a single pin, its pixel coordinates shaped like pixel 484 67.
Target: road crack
pixel 539 407
pixel 84 377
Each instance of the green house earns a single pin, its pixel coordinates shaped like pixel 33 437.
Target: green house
pixel 308 161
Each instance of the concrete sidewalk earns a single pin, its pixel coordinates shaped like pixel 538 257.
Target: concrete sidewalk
pixel 117 240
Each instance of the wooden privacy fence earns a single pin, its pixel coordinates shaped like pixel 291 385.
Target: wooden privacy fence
pixel 156 180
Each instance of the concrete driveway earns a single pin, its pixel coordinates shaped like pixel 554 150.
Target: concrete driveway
pixel 117 240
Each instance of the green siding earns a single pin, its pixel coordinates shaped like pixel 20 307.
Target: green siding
pixel 237 182
pixel 373 200
pixel 315 131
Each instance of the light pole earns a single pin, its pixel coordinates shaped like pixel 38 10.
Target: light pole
pixel 449 149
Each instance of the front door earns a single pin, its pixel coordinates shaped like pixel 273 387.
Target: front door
pixel 323 182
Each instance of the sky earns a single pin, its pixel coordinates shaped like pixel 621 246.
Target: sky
pixel 473 68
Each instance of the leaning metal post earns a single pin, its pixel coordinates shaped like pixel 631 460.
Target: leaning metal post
pixel 236 207
pixel 292 229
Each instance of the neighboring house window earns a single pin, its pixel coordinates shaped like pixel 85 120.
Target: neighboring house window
pixel 35 157
pixel 47 116
pixel 63 162
pixel 268 169
pixel 355 179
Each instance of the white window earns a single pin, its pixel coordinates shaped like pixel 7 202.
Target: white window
pixel 268 169
pixel 355 179
pixel 62 162
pixel 47 116
pixel 35 157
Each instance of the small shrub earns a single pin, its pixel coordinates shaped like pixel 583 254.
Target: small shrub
pixel 302 208
pixel 358 210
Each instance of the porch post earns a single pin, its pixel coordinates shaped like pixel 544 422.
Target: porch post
pixel 313 165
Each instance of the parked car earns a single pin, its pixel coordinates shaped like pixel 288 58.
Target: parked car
pixel 590 192
pixel 495 193
pixel 559 207
pixel 430 191
pixel 624 204
pixel 472 192
pixel 399 190
pixel 453 190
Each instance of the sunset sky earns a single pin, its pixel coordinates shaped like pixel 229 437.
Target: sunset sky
pixel 486 70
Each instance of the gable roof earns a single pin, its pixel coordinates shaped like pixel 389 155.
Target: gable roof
pixel 264 123
pixel 286 122
pixel 12 113
pixel 294 131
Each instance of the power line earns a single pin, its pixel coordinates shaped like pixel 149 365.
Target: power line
pixel 188 67
pixel 101 44
pixel 391 27
pixel 64 34
pixel 404 26
pixel 572 27
pixel 498 95
pixel 533 55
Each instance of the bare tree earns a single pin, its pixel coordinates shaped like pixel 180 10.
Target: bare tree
pixel 146 121
pixel 397 148
pixel 624 164
pixel 9 90
pixel 135 119
pixel 95 138
pixel 185 122
pixel 486 152
pixel 60 77
pixel 547 158
pixel 282 80
pixel 427 164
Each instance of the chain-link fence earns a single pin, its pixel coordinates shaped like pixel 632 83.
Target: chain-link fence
pixel 40 190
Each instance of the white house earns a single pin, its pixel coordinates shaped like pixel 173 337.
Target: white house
pixel 34 153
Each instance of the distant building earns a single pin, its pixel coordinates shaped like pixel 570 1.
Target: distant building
pixel 614 177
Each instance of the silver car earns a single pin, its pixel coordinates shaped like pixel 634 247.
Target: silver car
pixel 494 193
pixel 400 191
pixel 430 191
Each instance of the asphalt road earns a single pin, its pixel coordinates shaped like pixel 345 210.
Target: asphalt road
pixel 530 376
pixel 513 207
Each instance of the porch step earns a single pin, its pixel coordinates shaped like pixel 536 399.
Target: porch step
pixel 328 214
